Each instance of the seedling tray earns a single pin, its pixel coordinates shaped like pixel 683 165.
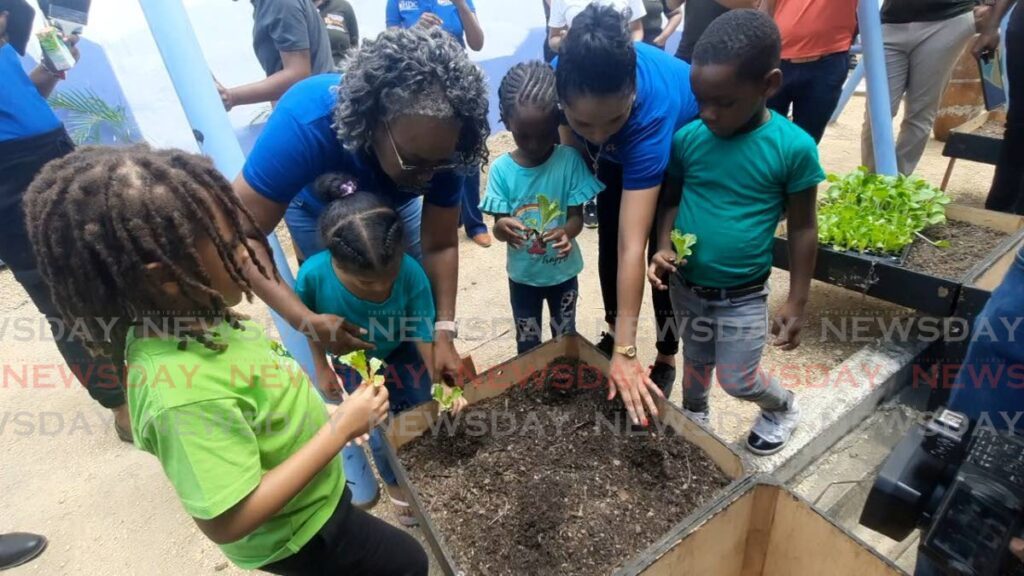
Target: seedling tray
pixel 920 291
pixel 762 529
pixel 412 423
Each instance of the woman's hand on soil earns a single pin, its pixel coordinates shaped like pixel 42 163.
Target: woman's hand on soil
pixel 559 240
pixel 329 383
pixel 789 322
pixel 663 262
pixel 361 411
pixel 511 230
pixel 630 380
pixel 337 335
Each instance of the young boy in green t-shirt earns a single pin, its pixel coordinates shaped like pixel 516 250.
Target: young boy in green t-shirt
pixel 738 171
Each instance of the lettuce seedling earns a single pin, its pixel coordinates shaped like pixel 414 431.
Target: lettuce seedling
pixel 446 400
pixel 368 368
pixel 683 243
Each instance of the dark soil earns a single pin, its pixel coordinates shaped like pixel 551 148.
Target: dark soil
pixel 550 478
pixel 969 244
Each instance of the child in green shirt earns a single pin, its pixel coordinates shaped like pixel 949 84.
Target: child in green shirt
pixel 149 250
pixel 738 171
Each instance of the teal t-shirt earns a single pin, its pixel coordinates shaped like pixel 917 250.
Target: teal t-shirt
pixel 734 192
pixel 406 316
pixel 515 190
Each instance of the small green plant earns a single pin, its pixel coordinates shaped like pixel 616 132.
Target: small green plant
pixel 866 212
pixel 446 399
pixel 367 367
pixel 683 243
pixel 88 115
pixel 549 212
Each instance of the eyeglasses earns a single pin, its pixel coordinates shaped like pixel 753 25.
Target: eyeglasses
pixel 406 167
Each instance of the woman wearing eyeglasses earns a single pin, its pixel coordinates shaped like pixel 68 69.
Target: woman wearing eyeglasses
pixel 409 109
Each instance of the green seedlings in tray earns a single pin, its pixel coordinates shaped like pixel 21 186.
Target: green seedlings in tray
pixel 683 244
pixel 865 212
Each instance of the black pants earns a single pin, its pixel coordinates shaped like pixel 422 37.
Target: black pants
pixel 528 310
pixel 354 542
pixel 20 162
pixel 1007 192
pixel 608 206
pixel 812 90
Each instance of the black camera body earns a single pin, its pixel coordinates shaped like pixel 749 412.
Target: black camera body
pixel 963 485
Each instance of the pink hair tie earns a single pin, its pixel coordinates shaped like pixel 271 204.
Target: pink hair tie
pixel 347 188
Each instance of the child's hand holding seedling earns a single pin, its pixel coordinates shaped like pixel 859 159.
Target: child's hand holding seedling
pixel 509 229
pixel 449 398
pixel 666 261
pixel 559 241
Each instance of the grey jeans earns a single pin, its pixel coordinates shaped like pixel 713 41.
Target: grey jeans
pixel 724 337
pixel 919 60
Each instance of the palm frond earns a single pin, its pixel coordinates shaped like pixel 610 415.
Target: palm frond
pixel 88 114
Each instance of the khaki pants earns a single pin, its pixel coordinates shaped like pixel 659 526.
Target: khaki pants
pixel 919 59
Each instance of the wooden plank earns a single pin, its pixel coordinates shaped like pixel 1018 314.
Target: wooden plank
pixel 993 276
pixel 759 529
pixel 1000 221
pixel 805 543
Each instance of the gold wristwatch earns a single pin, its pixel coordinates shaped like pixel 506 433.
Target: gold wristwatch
pixel 627 351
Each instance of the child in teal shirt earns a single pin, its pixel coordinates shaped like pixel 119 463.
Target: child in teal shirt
pixel 365 277
pixel 536 195
pixel 739 170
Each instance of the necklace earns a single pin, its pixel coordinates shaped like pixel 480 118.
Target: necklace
pixel 594 160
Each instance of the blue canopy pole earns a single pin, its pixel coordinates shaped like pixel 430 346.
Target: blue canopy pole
pixel 879 108
pixel 852 81
pixel 195 88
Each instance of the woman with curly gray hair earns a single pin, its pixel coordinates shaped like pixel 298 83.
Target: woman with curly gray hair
pixel 408 111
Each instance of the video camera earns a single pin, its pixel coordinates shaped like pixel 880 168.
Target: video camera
pixel 963 485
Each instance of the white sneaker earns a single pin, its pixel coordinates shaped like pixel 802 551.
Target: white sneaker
pixel 702 418
pixel 772 430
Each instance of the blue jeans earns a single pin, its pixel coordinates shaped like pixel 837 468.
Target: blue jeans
pixel 528 308
pixel 727 337
pixel 991 380
pixel 303 218
pixel 408 384
pixel 812 90
pixel 471 218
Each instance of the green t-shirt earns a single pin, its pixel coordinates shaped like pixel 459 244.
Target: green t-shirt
pixel 218 421
pixel 734 192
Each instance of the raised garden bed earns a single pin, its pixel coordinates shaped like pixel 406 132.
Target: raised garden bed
pixel 550 479
pixel 934 287
pixel 762 529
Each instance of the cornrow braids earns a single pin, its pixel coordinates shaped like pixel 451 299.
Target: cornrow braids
pixel 99 216
pixel 364 234
pixel 527 84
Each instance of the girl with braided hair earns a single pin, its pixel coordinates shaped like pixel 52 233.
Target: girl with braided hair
pixel 536 194
pixel 366 277
pixel 154 244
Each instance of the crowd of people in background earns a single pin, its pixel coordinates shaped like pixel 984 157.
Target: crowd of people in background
pixel 372 156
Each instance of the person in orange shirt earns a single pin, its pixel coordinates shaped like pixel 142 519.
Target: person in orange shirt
pixel 816 39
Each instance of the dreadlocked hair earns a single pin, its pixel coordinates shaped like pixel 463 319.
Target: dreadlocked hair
pixel 748 39
pixel 98 216
pixel 527 84
pixel 364 234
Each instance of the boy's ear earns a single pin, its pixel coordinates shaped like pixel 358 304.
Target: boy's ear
pixel 772 83
pixel 161 278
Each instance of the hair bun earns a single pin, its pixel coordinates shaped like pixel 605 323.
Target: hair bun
pixel 335 186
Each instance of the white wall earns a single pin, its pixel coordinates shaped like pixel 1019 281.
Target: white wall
pixel 224 30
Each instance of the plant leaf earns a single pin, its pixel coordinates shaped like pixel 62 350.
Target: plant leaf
pixel 683 244
pixel 446 399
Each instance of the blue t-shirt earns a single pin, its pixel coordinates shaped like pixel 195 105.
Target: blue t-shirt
pixel 664 103
pixel 299 144
pixel 23 111
pixel 515 190
pixel 406 316
pixel 406 13
pixel 734 192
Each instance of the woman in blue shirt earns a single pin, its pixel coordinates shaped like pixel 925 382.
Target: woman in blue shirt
pixel 410 108
pixel 624 101
pixel 458 18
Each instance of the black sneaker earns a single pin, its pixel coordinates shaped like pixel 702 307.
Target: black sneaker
pixel 606 344
pixel 590 214
pixel 663 377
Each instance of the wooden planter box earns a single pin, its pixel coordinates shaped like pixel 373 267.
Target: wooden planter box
pixel 909 288
pixel 412 423
pixel 762 529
